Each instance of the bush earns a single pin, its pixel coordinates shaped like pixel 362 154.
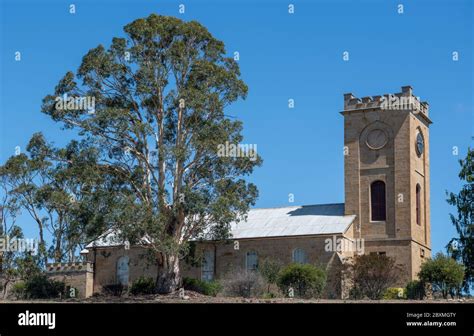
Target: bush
pixel 415 290
pixel 143 286
pixel 394 293
pixel 113 289
pixel 443 273
pixel 269 269
pixel 372 274
pixel 356 294
pixel 210 288
pixel 244 283
pixel 307 281
pixel 40 287
pixel 18 290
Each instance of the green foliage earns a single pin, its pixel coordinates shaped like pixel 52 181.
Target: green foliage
pixel 244 283
pixel 355 293
pixel 443 273
pixel 415 290
pixel 28 266
pixel 210 288
pixel 143 286
pixel 269 269
pixel 307 281
pixel 18 290
pixel 372 274
pixel 394 293
pixel 160 98
pixel 114 289
pixel 461 248
pixel 40 287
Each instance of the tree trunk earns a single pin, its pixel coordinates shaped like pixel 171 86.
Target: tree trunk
pixel 42 246
pixel 169 275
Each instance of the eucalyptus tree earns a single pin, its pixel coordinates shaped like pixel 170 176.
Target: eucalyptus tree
pixel 59 188
pixel 461 248
pixel 159 97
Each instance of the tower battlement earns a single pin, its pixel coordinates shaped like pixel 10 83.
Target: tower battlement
pixel 404 100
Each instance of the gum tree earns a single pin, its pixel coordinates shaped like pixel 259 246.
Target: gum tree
pixel 160 93
pixel 461 248
pixel 60 188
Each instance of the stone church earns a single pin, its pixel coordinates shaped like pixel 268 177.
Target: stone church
pixel 386 210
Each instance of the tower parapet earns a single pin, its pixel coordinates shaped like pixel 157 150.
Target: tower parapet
pixel 404 100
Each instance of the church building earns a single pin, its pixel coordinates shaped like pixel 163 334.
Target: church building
pixel 386 210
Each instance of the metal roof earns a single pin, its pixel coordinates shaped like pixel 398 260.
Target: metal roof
pixel 293 221
pixel 319 219
pixel 107 239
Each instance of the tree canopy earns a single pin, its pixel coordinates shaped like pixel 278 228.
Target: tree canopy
pixel 159 96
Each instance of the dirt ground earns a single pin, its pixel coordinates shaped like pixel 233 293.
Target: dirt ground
pixel 193 297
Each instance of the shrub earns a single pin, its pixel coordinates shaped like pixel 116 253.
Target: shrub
pixel 113 289
pixel 244 283
pixel 269 269
pixel 307 281
pixel 415 290
pixel 356 294
pixel 394 293
pixel 210 288
pixel 372 274
pixel 444 273
pixel 18 290
pixel 143 286
pixel 40 287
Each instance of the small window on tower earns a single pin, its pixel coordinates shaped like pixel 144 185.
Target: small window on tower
pixel 418 204
pixel 422 253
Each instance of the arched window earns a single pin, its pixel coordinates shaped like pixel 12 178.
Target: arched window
pixel 122 270
pixel 377 201
pixel 418 204
pixel 299 256
pixel 251 261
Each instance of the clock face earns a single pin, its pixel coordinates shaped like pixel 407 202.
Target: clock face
pixel 420 143
pixel 376 139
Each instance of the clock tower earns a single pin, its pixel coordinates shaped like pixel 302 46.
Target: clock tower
pixel 386 176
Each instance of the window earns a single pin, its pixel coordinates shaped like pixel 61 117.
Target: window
pixel 418 204
pixel 422 253
pixel 251 261
pixel 377 201
pixel 122 270
pixel 207 266
pixel 299 256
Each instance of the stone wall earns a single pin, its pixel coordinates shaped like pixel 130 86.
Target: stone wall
pixel 229 257
pixel 397 164
pixel 77 275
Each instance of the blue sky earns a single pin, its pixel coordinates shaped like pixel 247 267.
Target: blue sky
pixel 282 57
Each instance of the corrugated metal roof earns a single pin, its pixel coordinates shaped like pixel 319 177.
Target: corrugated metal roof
pixel 274 222
pixel 107 239
pixel 293 221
